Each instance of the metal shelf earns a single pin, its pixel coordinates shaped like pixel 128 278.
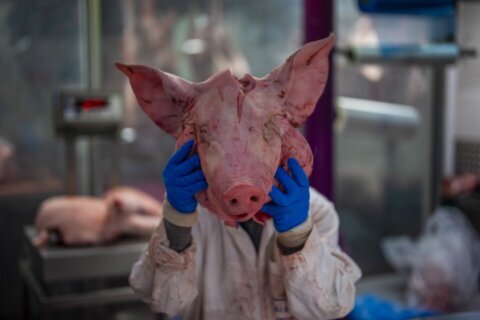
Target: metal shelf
pixel 428 54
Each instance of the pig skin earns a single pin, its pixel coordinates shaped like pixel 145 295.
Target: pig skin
pixel 87 220
pixel 244 128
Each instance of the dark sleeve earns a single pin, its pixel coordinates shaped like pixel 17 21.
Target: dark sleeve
pixel 288 250
pixel 179 238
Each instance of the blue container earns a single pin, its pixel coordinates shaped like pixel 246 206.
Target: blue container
pixel 415 7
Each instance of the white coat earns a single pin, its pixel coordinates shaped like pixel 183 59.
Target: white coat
pixel 220 275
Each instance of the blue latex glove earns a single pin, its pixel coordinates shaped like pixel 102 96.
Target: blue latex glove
pixel 290 208
pixel 183 178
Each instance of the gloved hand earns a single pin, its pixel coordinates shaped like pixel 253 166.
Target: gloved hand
pixel 290 208
pixel 183 178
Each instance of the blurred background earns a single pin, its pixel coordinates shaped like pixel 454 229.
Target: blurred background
pixel 402 138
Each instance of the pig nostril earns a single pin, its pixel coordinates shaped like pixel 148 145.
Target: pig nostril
pixel 233 202
pixel 254 198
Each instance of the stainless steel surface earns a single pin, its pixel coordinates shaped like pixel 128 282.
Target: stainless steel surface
pixel 376 117
pixel 70 263
pixel 435 114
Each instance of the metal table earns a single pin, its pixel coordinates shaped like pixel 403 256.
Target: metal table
pixel 42 268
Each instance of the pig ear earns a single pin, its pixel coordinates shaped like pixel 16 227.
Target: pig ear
pixel 163 96
pixel 301 79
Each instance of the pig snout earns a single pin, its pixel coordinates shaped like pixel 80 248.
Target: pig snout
pixel 244 201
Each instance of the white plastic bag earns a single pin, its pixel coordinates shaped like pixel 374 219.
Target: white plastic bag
pixel 444 262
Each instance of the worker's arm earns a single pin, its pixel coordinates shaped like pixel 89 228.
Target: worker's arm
pixel 318 278
pixel 289 208
pixel 165 276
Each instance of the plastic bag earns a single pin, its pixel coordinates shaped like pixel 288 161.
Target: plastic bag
pixel 444 262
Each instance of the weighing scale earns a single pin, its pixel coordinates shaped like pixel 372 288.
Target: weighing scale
pixel 59 277
pixel 89 124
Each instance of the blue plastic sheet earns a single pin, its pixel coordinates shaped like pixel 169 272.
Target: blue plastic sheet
pixel 371 307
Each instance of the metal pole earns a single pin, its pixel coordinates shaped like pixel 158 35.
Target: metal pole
pixel 93 83
pixel 437 129
pixel 319 127
pixel 114 177
pixel 94 44
pixel 71 173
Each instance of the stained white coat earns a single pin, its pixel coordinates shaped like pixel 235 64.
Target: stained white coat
pixel 220 276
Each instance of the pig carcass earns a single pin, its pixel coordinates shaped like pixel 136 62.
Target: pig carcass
pixel 80 220
pixel 458 185
pixel 244 128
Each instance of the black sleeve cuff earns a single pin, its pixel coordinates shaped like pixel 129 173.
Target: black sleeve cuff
pixel 179 238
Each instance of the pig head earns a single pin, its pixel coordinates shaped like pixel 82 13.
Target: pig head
pixel 244 128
